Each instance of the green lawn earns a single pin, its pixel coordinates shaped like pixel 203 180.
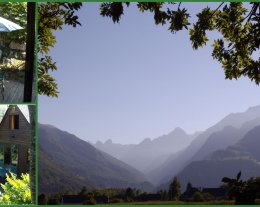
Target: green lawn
pixel 222 202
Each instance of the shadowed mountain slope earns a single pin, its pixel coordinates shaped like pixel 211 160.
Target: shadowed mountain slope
pixel 243 156
pixel 74 163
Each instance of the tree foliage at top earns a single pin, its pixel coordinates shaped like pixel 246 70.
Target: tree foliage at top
pixel 15 12
pixel 52 16
pixel 177 19
pixel 237 49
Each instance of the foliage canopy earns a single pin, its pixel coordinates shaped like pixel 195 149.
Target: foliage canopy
pixel 16 12
pixel 16 191
pixel 52 16
pixel 237 49
pixel 245 192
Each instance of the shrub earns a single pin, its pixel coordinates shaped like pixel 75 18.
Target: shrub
pixel 89 201
pixel 198 197
pixel 16 191
pixel 208 197
pixel 116 200
pixel 54 201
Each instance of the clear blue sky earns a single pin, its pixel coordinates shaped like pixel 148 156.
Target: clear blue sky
pixel 134 80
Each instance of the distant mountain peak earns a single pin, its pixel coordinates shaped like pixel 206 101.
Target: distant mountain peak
pixel 99 142
pixel 146 140
pixel 109 141
pixel 179 130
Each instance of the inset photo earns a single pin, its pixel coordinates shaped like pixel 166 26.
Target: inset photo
pixel 17 154
pixel 148 103
pixel 17 49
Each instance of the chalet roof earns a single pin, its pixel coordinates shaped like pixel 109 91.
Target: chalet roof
pixel 24 109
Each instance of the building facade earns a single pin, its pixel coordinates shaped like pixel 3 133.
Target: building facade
pixel 15 140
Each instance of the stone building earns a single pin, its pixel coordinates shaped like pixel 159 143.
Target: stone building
pixel 15 139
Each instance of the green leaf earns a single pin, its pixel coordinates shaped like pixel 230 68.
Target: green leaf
pixel 239 175
pixel 226 180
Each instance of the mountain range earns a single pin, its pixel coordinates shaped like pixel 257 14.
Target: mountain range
pixel 231 145
pixel 150 153
pixel 219 136
pixel 243 156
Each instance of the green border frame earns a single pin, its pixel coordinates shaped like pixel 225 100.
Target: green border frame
pixel 36 94
pixel 36 104
pixel 98 1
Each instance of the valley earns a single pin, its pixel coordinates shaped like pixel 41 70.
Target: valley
pixel 67 163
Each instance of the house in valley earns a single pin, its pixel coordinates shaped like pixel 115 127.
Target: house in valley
pixel 15 139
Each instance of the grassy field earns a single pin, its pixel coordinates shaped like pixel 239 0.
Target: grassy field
pixel 222 202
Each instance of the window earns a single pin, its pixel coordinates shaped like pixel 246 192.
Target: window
pixel 10 158
pixel 14 121
pixel 7 155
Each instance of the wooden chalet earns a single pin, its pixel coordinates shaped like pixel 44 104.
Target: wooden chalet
pixel 15 139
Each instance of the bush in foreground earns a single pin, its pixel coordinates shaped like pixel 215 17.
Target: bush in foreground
pixel 16 191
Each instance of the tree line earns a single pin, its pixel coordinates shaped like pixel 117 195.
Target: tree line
pixel 242 192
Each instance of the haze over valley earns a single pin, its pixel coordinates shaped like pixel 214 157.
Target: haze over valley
pixel 202 158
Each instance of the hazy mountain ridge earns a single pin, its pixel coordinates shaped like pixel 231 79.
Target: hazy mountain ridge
pixel 247 148
pixel 228 136
pixel 243 156
pixel 114 149
pixel 148 151
pixel 82 163
pixel 177 162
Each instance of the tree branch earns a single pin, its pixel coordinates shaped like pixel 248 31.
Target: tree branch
pixel 217 8
pixel 179 5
